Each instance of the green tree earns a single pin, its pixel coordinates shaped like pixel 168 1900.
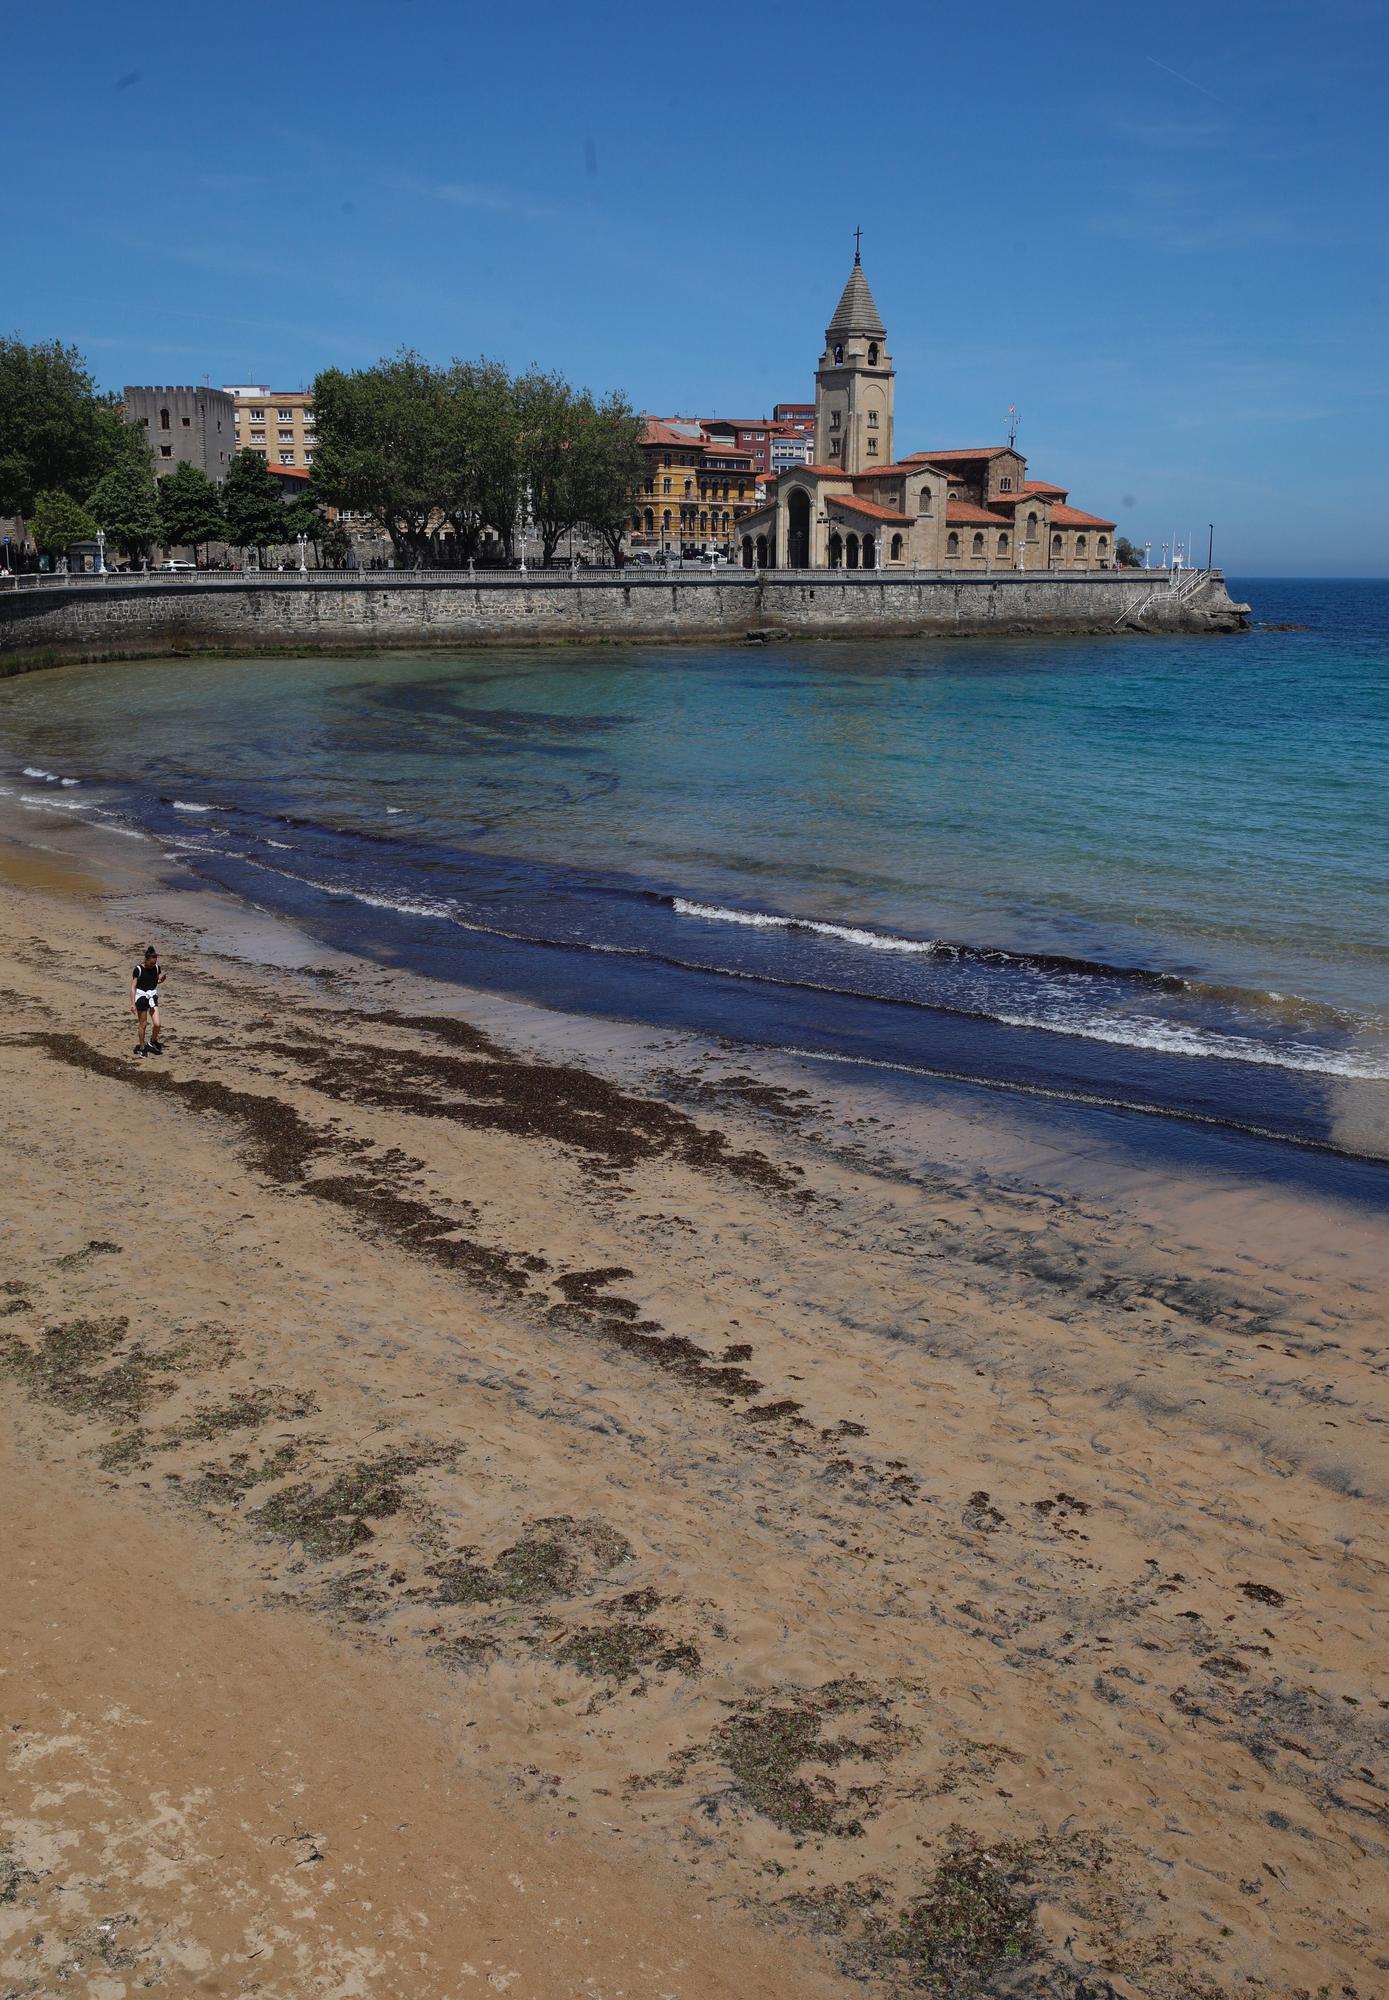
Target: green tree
pixel 57 522
pixel 382 446
pixel 479 460
pixel 125 504
pixel 48 423
pixel 1126 555
pixel 609 466
pixel 190 509
pixel 549 420
pixel 253 505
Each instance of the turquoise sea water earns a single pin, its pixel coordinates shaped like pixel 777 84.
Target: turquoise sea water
pixel 1147 871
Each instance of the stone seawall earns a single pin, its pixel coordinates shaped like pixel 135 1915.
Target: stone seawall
pixel 132 618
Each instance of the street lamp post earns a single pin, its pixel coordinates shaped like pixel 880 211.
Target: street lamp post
pixel 303 542
pixel 101 551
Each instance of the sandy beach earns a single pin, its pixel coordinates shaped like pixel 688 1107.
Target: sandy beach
pixel 498 1504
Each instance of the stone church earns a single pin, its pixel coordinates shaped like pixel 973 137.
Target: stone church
pixel 858 506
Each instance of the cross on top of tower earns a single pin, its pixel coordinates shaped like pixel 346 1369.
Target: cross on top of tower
pixel 858 245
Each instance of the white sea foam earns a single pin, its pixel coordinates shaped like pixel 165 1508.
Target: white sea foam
pixel 283 845
pixel 1175 1038
pixel 183 806
pixel 50 804
pixel 37 771
pixel 395 809
pixel 762 920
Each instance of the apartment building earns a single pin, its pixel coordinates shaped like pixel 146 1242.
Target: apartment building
pixel 277 423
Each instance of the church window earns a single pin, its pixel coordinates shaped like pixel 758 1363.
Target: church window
pixel 978 545
pixel 952 543
pixel 1056 545
pixel 873 419
pixel 923 500
pixel 873 444
pixel 834 420
pixel 1032 527
pixel 838 354
pixel 896 549
pixel 1081 545
pixel 834 447
pixel 163 420
pixel 1003 545
pixel 1102 546
pixel 872 354
pixel 1005 485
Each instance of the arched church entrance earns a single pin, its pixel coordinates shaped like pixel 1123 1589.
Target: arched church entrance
pixel 747 552
pixel 870 552
pixel 836 550
pixel 851 557
pixel 761 551
pixel 798 529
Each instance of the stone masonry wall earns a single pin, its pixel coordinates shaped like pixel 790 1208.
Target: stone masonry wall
pixel 89 621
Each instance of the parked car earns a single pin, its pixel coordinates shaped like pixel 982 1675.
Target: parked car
pixel 171 568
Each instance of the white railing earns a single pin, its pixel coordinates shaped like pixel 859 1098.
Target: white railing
pixel 1184 582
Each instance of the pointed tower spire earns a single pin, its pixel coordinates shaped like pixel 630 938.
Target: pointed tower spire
pixel 856 311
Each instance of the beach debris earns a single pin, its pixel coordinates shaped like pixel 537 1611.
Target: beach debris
pixel 333 1520
pixel 556 1557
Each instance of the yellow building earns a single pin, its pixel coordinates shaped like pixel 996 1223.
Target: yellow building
pixel 693 492
pixel 277 423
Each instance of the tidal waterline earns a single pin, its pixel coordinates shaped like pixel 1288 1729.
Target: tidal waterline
pixel 1148 873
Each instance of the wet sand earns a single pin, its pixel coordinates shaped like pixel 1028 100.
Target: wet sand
pixel 824 1546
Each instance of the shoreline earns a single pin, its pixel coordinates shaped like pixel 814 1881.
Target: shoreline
pixel 829 1502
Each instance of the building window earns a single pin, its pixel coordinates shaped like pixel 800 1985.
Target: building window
pixel 144 423
pixel 1003 545
pixel 1056 545
pixel 257 416
pixel 977 547
pixel 286 437
pixel 187 423
pixel 665 486
pixel 166 451
pixel 896 550
pixel 872 420
pixel 1082 544
pixel 873 446
pixel 923 500
pixel 838 355
pixel 689 488
pixel 1032 527
pixel 834 447
pixel 1102 546
pixel 308 458
pixel 163 420
pixel 285 416
pixel 952 543
pixel 666 463
pixel 286 458
pixel 834 420
pixel 1005 485
pixel 872 354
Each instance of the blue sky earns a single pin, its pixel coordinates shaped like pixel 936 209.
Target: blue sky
pixel 1161 233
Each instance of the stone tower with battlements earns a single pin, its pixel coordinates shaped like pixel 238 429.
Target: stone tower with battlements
pixel 854 384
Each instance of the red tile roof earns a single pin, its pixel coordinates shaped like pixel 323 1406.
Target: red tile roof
pixel 869 507
pixel 1071 517
pixel 1042 486
pixel 965 510
pixel 657 432
pixel 291 471
pixel 899 466
pixel 968 451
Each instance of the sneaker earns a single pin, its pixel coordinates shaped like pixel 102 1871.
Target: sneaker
pixel 154 1048
pixel 139 1049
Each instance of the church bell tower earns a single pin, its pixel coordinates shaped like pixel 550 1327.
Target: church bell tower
pixel 854 382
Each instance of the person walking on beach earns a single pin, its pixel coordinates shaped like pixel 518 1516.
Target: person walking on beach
pixel 144 1003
